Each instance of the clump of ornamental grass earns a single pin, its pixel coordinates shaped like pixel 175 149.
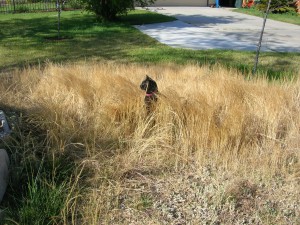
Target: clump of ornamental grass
pixel 92 120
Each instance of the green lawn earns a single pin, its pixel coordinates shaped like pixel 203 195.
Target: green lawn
pixel 288 18
pixel 24 40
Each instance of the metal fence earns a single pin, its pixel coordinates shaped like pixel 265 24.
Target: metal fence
pixel 21 6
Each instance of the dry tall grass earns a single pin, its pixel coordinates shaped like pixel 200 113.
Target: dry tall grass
pixel 205 117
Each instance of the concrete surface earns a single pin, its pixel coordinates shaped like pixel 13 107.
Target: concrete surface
pixel 220 28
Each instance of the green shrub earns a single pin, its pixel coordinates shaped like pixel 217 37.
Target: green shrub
pixel 43 203
pixel 75 4
pixel 277 6
pixel 109 9
pixel 22 9
pixel 285 9
pixel 40 192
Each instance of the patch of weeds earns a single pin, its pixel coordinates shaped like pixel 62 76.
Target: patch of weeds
pixel 43 203
pixel 269 212
pixel 242 193
pixel 39 181
pixel 38 192
pixel 271 207
pixel 145 202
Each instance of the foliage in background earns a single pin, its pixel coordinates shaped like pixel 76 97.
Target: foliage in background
pixel 278 6
pixel 292 18
pixel 109 9
pixel 38 6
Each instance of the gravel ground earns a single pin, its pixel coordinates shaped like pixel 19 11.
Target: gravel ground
pixel 207 198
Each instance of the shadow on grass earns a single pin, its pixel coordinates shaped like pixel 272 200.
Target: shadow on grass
pixel 140 17
pixel 42 176
pixel 24 41
pixel 39 180
pixel 86 38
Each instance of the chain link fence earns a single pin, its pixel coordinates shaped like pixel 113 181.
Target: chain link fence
pixel 21 6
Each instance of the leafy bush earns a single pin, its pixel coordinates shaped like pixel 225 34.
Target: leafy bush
pixel 22 8
pixel 75 4
pixel 277 6
pixel 285 9
pixel 108 9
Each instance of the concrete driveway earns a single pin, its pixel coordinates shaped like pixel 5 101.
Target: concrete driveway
pixel 220 28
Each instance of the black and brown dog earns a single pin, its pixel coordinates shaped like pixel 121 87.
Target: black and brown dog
pixel 150 86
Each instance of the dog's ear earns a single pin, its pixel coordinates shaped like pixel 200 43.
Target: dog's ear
pixel 148 78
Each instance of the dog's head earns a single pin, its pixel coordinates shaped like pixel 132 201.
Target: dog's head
pixel 149 85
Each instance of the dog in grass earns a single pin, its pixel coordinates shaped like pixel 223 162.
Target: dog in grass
pixel 150 86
